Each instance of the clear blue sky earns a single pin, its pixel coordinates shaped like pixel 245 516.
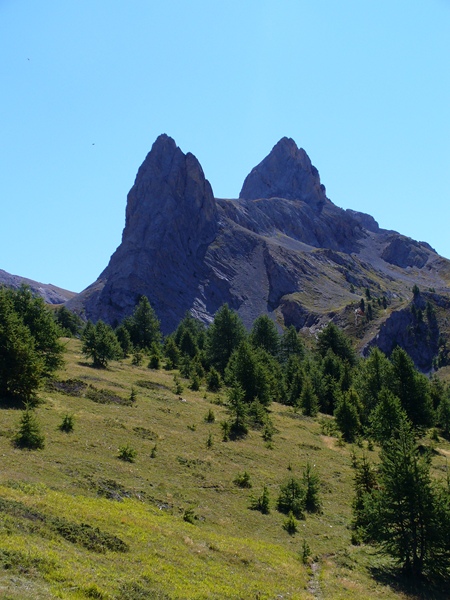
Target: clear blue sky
pixel 87 86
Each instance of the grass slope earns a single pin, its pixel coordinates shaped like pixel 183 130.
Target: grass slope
pixel 77 522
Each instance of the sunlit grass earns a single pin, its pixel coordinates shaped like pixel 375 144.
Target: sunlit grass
pixel 228 552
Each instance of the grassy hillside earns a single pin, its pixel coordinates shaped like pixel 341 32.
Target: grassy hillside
pixel 77 522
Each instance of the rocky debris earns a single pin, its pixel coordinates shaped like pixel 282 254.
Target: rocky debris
pixel 51 294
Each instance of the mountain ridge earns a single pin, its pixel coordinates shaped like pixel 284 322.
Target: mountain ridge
pixel 282 248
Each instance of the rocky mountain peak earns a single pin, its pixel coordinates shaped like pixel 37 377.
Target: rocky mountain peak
pixel 281 249
pixel 170 197
pixel 287 173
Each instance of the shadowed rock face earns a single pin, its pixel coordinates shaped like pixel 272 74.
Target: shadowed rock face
pixel 171 218
pixel 283 248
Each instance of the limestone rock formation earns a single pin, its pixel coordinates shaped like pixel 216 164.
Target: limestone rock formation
pixel 282 248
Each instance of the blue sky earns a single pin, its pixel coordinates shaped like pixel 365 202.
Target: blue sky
pixel 87 86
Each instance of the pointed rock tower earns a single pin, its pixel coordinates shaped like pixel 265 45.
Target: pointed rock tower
pixel 171 218
pixel 287 173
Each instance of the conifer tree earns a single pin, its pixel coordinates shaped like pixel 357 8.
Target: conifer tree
pixel 100 343
pixel 407 515
pixel 143 325
pixel 264 335
pixel 29 434
pixel 411 388
pixel 223 337
pixel 347 415
pixel 308 400
pixel 21 364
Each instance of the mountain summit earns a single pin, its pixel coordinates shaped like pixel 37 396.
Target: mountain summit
pixel 282 248
pixel 286 172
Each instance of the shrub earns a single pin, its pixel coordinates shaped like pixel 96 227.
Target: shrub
pixel 290 524
pixel 189 516
pixel 262 503
pixel 127 453
pixel 243 480
pixel 210 417
pixel 67 424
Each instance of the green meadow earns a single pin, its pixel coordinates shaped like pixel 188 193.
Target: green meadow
pixel 77 521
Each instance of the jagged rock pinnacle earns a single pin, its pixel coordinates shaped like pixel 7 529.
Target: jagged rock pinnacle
pixel 286 172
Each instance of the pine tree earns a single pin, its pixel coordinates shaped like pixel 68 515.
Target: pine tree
pixel 332 338
pixel 291 345
pixel 21 365
pixel 262 503
pixel 308 401
pixel 387 417
pixel 100 343
pixel 238 411
pixel 143 325
pixel 412 389
pixel 29 434
pixel 251 373
pixel 407 516
pixel 264 335
pixel 292 498
pixel 223 337
pixel 347 415
pixel 311 485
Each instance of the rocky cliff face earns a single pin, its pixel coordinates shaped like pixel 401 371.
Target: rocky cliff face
pixel 283 248
pixel 171 218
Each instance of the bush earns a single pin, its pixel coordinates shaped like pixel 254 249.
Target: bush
pixel 189 516
pixel 262 503
pixel 127 453
pixel 210 417
pixel 290 524
pixel 67 424
pixel 243 480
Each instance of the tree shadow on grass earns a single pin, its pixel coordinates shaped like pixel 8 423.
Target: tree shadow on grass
pixel 10 402
pixel 416 589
